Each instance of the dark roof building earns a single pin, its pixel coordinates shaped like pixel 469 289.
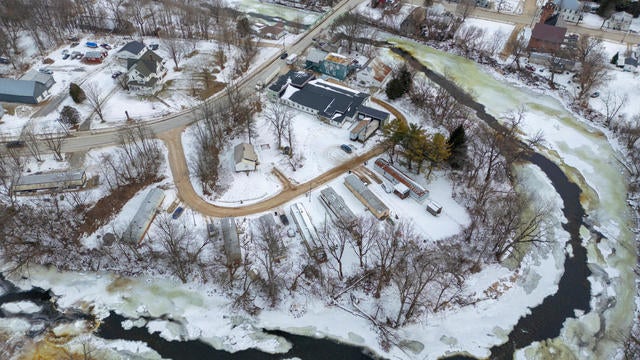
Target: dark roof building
pixel 546 38
pixel 145 72
pixel 132 49
pixel 32 88
pixel 297 79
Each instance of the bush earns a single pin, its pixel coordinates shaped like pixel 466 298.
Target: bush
pixel 400 84
pixel 70 116
pixel 77 94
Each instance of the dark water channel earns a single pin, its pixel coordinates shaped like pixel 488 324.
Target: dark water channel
pixel 574 290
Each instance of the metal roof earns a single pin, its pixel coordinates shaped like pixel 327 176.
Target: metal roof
pixel 38 77
pixel 335 203
pixel 374 113
pixel 143 217
pixel 231 241
pixel 296 78
pixel 244 151
pixel 147 64
pixel 53 177
pixel 553 34
pixel 134 47
pixel 316 55
pixel 372 200
pixel 334 102
pixel 20 90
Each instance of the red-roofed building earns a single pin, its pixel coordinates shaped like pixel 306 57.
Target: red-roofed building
pixel 546 38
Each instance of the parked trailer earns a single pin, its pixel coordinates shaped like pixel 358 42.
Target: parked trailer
pixel 434 208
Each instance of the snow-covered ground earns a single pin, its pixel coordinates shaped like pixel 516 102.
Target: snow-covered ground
pixel 570 142
pixel 276 11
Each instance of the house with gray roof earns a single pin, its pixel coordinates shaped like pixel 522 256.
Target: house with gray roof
pixel 331 103
pixel 53 181
pixel 569 10
pixel 145 73
pixel 231 241
pixel 141 221
pixel 32 88
pixel 619 21
pixel 131 50
pixel 245 157
pixel 297 79
pixel 366 197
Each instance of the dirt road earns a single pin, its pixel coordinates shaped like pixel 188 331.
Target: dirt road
pixel 186 193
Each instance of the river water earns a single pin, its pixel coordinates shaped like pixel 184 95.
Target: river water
pixel 600 190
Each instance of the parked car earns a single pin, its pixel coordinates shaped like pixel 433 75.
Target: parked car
pixel 177 213
pixel 595 94
pixel 530 67
pixel 15 144
pixel 106 46
pixel 346 148
pixel 4 60
pixel 116 74
pixel 65 56
pixel 387 188
pixel 74 44
pixel 284 220
pixel 154 46
pixel 73 38
pixel 76 55
pixel 45 71
pixel 284 55
pixel 91 44
pixel 65 51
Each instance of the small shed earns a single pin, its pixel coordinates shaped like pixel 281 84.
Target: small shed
pixel 434 208
pixel 231 241
pixel 245 157
pixel 94 57
pixel 401 190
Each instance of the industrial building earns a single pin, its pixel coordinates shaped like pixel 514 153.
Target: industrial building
pixel 144 216
pixel 364 129
pixel 308 232
pixel 368 198
pixel 393 174
pixel 50 181
pixel 231 241
pixel 337 207
pixel 32 88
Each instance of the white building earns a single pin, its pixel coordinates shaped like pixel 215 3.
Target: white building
pixel 619 21
pixel 570 10
pixel 245 157
pixel 145 74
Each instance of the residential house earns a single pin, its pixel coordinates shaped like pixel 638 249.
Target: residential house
pixel 273 32
pixel 332 64
pixel 630 64
pixel 144 216
pixel 569 10
pixel 337 207
pixel 146 73
pixel 396 176
pixel 619 21
pixel 331 103
pixel 244 157
pixel 94 57
pixel 296 79
pixel 132 50
pixel 32 88
pixel 307 230
pixel 546 38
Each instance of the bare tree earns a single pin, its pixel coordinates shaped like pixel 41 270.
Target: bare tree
pixel 270 251
pixel 96 99
pixel 279 117
pixel 613 103
pixel 177 239
pixel 350 25
pixel 30 139
pixel 516 47
pixel 364 231
pixel 590 53
pixel 469 39
pixel 464 8
pixel 389 248
pixel 177 48
pixel 334 239
pixel 54 139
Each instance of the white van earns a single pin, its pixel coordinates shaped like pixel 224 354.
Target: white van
pixel 292 58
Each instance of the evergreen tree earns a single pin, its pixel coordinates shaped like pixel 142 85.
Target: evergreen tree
pixel 77 94
pixel 458 144
pixel 438 151
pixel 614 59
pixel 69 115
pixel 394 89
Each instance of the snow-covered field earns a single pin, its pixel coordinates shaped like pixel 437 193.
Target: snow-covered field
pixel 276 11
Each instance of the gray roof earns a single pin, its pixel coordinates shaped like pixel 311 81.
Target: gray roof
pixel 374 113
pixel 333 102
pixel 39 77
pixel 630 61
pixel 21 91
pixel 134 47
pixel 244 151
pixel 147 64
pixel 53 177
pixel 296 78
pixel 316 55
pixel 568 4
pixel 143 217
pixel 372 200
pixel 231 241
pixel 335 203
pixel 1 111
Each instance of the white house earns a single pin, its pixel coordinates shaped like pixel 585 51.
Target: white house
pixel 619 21
pixel 132 50
pixel 245 157
pixel 146 73
pixel 570 10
